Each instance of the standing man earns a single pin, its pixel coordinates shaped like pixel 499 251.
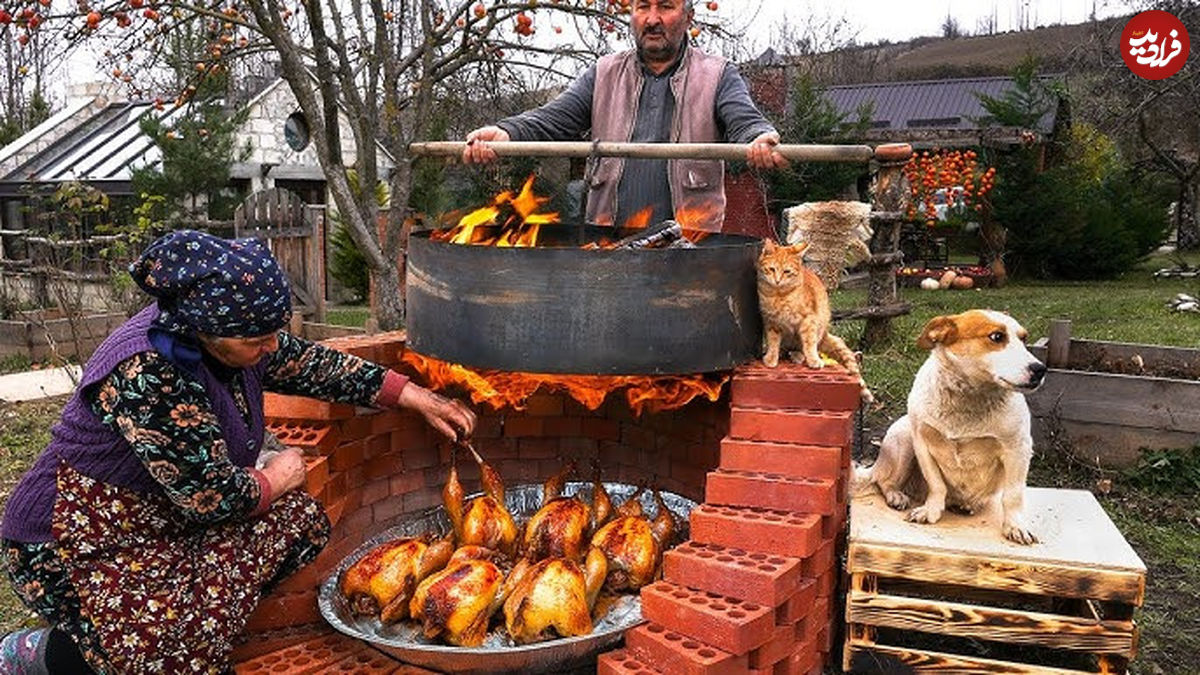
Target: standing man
pixel 663 91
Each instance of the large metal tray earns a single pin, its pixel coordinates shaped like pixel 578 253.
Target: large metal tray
pixel 498 653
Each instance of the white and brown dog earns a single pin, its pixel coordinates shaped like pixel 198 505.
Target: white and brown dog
pixel 968 426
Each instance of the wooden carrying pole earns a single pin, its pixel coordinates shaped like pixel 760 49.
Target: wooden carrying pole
pixel 722 151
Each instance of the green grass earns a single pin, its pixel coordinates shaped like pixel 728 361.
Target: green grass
pixel 348 315
pixel 24 431
pixel 1128 310
pixel 14 363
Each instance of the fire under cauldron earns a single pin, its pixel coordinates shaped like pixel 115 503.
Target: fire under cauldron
pixel 562 308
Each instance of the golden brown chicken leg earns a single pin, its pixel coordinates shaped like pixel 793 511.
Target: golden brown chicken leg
pixel 602 507
pixel 485 521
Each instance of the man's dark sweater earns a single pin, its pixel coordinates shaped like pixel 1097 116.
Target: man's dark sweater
pixel 644 182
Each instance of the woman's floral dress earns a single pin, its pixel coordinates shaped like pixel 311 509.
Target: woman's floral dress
pixel 164 583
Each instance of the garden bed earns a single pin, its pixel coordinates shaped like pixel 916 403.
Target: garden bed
pixel 45 334
pixel 1110 401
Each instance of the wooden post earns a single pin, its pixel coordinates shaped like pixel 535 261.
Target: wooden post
pixel 888 203
pixel 1058 351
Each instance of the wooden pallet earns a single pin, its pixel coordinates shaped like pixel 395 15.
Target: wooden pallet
pixel 956 597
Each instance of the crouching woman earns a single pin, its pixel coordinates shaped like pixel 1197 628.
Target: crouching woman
pixel 143 534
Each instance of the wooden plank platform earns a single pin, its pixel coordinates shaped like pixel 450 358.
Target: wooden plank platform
pixel 1069 599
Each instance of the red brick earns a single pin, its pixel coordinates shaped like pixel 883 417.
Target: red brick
pixel 811 390
pixel 834 525
pixel 544 405
pixel 726 623
pixel 412 430
pixel 807 427
pixel 365 662
pixel 281 610
pixel 622 662
pixel 384 466
pixel 601 429
pixel 519 426
pixel 311 656
pixel 770 491
pixel 826 583
pixel 335 488
pixel 487 426
pixel 385 422
pixel 635 436
pixel 799 606
pixel 691 476
pixel 675 653
pixel 257 644
pixel 420 456
pixel 377 445
pixel 757 577
pixel 313 438
pixel 407 481
pixel 376 490
pixel 563 427
pixel 316 475
pixel 820 562
pixel 347 455
pixel 335 510
pixel 277 406
pixel 805 658
pixel 759 530
pixel 421 500
pixel 537 448
pixel 816 620
pixel 358 519
pixel 779 647
pixel 387 510
pixel 354 429
pixel 787 459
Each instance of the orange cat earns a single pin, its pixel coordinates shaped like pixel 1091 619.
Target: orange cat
pixel 795 312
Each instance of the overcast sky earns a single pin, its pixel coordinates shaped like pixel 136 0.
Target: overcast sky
pixel 866 21
pixel 898 20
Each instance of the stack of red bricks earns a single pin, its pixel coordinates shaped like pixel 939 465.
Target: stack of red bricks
pixel 752 591
pixel 351 465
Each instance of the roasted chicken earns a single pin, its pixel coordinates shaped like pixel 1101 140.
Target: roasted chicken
pixel 382 582
pixel 563 526
pixel 485 521
pixel 633 544
pixel 553 597
pixel 458 602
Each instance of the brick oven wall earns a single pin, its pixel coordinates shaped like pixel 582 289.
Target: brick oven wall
pixel 368 467
pixel 769 462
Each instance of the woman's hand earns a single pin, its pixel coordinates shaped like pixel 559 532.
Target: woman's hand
pixel 285 471
pixel 450 417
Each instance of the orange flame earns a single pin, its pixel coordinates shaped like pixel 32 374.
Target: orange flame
pixel 508 390
pixel 522 220
pixel 639 220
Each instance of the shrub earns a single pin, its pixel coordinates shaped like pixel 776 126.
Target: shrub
pixel 1092 217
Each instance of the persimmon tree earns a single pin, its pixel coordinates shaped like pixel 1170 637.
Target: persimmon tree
pixel 385 66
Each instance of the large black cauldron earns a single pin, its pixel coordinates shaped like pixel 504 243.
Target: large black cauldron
pixel 558 308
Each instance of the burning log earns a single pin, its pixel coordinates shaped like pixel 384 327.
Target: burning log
pixel 660 235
